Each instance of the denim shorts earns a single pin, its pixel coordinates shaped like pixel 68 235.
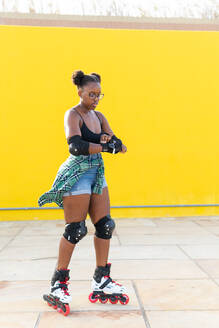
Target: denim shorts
pixel 85 184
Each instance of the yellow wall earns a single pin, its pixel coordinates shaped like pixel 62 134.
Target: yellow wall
pixel 161 99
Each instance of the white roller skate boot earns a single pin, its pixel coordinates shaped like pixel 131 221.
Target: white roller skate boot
pixel 104 288
pixel 59 297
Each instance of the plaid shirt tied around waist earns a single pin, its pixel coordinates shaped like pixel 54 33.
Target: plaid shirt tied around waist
pixel 69 173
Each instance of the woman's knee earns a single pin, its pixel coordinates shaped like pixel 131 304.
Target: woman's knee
pixel 105 227
pixel 75 231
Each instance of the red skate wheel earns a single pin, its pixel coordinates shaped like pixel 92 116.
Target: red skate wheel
pixel 92 298
pixel 67 310
pixel 54 307
pixel 124 299
pixel 103 299
pixel 113 300
pixel 49 304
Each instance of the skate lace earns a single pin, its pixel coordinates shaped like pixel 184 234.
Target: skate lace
pixel 64 286
pixel 113 281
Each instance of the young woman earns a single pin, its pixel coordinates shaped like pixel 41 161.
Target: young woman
pixel 80 188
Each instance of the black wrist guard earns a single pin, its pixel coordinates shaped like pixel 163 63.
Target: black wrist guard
pixel 117 143
pixel 113 146
pixel 108 147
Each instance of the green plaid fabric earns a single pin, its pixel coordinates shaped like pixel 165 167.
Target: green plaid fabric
pixel 70 172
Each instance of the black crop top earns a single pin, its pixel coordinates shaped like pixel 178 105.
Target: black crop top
pixel 87 134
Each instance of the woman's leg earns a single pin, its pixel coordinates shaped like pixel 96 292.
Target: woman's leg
pixel 100 207
pixel 75 210
pixel 103 287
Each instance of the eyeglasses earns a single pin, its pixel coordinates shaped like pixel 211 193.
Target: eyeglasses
pixel 93 95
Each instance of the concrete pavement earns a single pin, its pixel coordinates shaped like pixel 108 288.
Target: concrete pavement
pixel 170 267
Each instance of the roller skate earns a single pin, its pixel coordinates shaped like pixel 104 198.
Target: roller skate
pixel 104 288
pixel 59 297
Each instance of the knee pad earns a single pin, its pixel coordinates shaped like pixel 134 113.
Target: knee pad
pixel 104 227
pixel 75 231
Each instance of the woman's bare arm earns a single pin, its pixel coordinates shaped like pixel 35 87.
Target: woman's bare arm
pixel 107 129
pixel 105 125
pixel 72 128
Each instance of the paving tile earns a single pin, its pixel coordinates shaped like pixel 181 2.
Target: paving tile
pixel 28 296
pixel 138 230
pixel 175 219
pixel 18 320
pixel 210 266
pixel 168 239
pixel 30 241
pixel 175 291
pixel 158 269
pixel 133 252
pixel 183 319
pixel 27 270
pixel 106 319
pixel 13 224
pixel 161 227
pixel 212 229
pixel 121 269
pixel 43 269
pixel 207 221
pixel 12 231
pixel 4 240
pixel 176 222
pixel 41 230
pixel 179 225
pixel 135 222
pixel 29 253
pixel 202 251
pixel 84 251
pixel 178 294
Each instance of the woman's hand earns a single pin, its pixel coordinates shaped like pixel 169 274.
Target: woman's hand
pixel 104 138
pixel 124 149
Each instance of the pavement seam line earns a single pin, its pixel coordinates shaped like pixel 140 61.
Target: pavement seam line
pixel 117 235
pixel 147 324
pixel 38 320
pixel 204 228
pixel 196 262
pixel 13 238
pixel 182 250
pixel 208 274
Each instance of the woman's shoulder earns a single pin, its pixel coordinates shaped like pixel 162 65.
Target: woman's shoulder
pixel 99 114
pixel 71 114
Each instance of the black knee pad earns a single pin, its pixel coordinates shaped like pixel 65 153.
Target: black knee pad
pixel 104 227
pixel 75 231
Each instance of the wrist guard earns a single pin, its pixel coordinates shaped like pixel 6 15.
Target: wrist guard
pixel 108 147
pixel 117 142
pixel 113 146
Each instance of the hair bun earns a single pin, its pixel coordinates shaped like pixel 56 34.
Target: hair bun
pixel 77 77
pixel 97 76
